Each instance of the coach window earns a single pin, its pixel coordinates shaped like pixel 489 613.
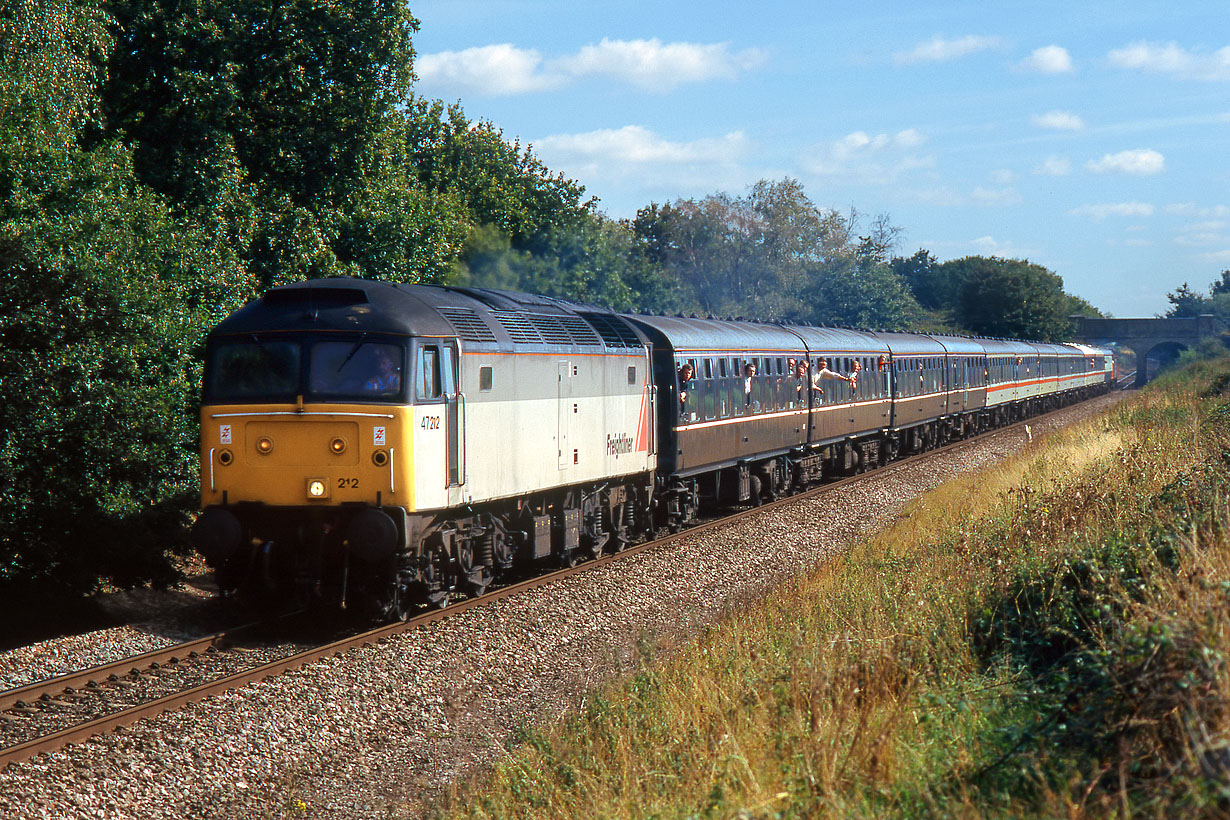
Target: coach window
pixel 710 387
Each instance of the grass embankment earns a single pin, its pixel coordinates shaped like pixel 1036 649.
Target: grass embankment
pixel 1044 639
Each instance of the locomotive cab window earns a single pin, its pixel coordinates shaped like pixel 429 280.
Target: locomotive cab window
pixel 358 369
pixel 253 369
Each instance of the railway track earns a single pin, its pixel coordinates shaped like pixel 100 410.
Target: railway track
pixel 45 716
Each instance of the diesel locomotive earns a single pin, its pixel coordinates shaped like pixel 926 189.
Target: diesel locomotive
pixel 394 445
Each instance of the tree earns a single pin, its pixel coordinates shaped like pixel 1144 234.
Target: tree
pixel 934 285
pixel 1012 298
pixel 499 183
pixel 865 296
pixel 738 256
pixel 104 297
pixel 1221 285
pixel 295 91
pixel 1186 302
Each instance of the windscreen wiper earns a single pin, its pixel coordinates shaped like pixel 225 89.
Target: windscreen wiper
pixel 353 351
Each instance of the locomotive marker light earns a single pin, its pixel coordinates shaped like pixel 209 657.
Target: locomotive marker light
pixel 225 458
pixel 264 445
pixel 380 458
pixel 337 446
pixel 317 488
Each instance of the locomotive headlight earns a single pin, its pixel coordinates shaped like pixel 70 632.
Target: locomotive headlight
pixel 337 446
pixel 264 445
pixel 317 488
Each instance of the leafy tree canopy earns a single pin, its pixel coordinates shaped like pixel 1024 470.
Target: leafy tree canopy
pixel 1011 298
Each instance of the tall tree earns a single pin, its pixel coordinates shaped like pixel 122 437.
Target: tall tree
pixel 1013 298
pixel 103 299
pixel 1186 302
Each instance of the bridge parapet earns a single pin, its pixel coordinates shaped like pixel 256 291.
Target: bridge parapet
pixel 1186 330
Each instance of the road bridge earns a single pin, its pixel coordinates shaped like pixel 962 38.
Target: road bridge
pixel 1162 339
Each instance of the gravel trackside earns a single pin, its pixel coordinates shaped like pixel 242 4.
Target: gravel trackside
pixel 379 731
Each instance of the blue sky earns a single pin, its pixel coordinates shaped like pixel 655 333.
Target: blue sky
pixel 1089 137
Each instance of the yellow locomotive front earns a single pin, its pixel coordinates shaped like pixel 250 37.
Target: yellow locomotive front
pixel 306 461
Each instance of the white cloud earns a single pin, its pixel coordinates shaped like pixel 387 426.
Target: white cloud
pixel 1106 209
pixel 1053 166
pixel 1058 120
pixel 996 197
pixel 941 50
pixel 990 246
pixel 1217 257
pixel 637 145
pixel 504 69
pixel 1199 211
pixel 1002 176
pixel 1139 162
pixel 657 66
pixel 1048 60
pixel 1173 59
pixel 635 157
pixel 494 70
pixel 1208 232
pixel 873 158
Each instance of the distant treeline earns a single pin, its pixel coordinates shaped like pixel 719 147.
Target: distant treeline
pixel 162 162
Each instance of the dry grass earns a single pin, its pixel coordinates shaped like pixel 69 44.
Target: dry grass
pixel 1043 639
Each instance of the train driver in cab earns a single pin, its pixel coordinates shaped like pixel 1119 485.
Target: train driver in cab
pixel 386 373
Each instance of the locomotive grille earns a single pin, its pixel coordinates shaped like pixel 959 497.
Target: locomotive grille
pixel 582 333
pixel 468 324
pixel 612 330
pixel 518 327
pixel 552 330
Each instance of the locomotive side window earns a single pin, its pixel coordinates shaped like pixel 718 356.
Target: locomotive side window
pixel 242 370
pixel 428 381
pixel 632 374
pixel 485 379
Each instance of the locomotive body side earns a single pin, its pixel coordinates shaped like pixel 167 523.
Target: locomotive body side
pixel 411 440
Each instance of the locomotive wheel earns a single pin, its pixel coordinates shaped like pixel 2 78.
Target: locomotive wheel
pixel 399 605
pixel 477 581
pixel 436 581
